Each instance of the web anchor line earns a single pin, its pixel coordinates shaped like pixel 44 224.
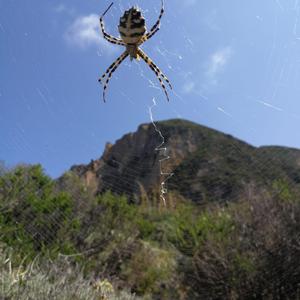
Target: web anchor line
pixel 160 148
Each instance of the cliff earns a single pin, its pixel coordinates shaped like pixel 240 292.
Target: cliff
pixel 208 165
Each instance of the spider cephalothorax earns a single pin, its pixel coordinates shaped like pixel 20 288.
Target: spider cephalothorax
pixel 133 33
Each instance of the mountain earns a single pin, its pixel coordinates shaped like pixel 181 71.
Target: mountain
pixel 207 165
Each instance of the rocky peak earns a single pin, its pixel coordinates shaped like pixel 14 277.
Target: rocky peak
pixel 207 164
pixel 132 165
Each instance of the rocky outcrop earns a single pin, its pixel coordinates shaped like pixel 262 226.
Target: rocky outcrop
pixel 133 165
pixel 207 165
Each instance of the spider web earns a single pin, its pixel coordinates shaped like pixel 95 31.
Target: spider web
pixel 271 99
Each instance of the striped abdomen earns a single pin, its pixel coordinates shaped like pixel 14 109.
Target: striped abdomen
pixel 132 26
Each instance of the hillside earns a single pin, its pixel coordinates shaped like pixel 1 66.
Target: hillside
pixel 74 239
pixel 208 165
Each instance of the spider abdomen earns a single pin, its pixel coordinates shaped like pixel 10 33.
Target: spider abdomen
pixel 132 26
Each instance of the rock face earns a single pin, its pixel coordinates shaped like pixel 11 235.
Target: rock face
pixel 132 166
pixel 207 165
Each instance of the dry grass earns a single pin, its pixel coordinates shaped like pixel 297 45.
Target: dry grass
pixel 59 280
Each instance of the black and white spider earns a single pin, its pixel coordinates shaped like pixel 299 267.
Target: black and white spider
pixel 133 33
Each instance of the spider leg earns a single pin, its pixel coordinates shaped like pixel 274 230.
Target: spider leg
pixel 112 68
pixel 109 37
pixel 162 74
pixel 156 70
pixel 155 27
pixel 148 36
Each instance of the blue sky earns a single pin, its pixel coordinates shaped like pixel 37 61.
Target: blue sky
pixel 234 65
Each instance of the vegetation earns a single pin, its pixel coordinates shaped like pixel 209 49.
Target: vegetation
pixel 44 279
pixel 58 241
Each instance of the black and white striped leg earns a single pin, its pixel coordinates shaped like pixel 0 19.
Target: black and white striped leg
pixel 148 36
pixel 156 70
pixel 161 74
pixel 114 42
pixel 112 68
pixel 155 27
pixel 109 37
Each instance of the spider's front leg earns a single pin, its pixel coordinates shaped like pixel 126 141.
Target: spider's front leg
pixel 107 36
pixel 148 36
pixel 155 27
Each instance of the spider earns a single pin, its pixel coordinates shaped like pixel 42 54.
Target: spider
pixel 133 33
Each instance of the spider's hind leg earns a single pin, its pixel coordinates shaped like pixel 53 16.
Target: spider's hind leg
pixel 160 76
pixel 108 70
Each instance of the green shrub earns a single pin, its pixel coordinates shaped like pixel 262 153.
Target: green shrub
pixel 33 215
pixel 150 269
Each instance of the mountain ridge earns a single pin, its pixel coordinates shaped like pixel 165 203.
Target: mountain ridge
pixel 208 165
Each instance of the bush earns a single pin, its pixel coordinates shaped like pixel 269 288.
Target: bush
pixel 151 271
pixel 33 215
pixel 258 260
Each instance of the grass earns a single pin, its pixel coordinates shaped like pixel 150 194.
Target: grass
pixel 45 279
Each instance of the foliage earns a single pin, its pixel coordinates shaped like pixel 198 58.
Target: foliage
pixel 259 259
pixel 3 168
pixel 150 269
pixel 32 214
pixel 68 243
